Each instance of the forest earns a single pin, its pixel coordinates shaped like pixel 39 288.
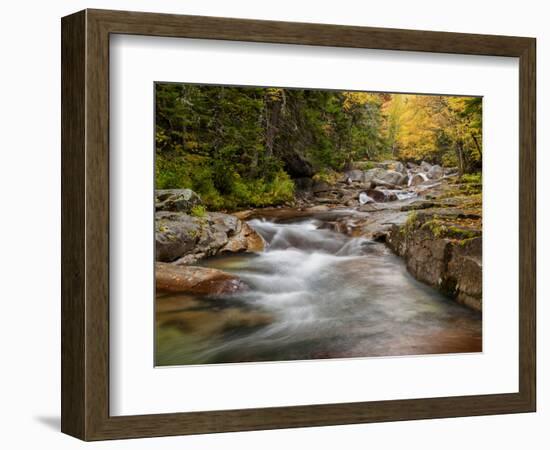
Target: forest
pixel 249 146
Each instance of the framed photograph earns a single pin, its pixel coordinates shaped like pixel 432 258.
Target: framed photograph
pixel 272 225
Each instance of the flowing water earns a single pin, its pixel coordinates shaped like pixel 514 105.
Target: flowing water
pixel 314 293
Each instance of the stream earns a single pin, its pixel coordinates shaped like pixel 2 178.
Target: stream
pixel 326 295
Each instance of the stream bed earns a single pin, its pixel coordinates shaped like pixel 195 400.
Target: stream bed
pixel 314 294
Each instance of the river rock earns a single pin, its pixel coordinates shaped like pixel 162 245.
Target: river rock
pixel 246 240
pixel 465 273
pixel 435 172
pixel 354 175
pixel 181 200
pixel 400 167
pixel 436 256
pixel 186 239
pixel 417 178
pixel 425 167
pixel 195 280
pixel 385 176
pixel 381 195
pixel 376 182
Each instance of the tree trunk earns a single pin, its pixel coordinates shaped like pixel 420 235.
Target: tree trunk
pixel 477 145
pixel 460 158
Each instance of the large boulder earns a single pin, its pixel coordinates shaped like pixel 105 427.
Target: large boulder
pixel 195 280
pixel 378 175
pixel 417 179
pixel 387 176
pixel 354 175
pixel 381 195
pixel 181 200
pixel 442 253
pixel 186 239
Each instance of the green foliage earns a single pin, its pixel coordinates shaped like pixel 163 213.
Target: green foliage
pixel 242 146
pixel 364 165
pixel 327 176
pixel 260 192
pixel 410 223
pixel 440 228
pixel 473 178
pixel 198 211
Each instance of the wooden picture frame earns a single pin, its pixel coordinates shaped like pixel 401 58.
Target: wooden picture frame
pixel 85 224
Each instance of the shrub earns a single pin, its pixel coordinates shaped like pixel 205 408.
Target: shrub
pixel 198 211
pixel 472 178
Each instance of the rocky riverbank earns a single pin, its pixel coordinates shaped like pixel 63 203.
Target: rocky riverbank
pixel 425 214
pixel 443 248
pixel 185 232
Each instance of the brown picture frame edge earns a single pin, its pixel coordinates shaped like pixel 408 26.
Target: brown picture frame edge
pixel 85 224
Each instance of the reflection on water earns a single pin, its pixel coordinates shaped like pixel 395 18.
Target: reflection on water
pixel 313 294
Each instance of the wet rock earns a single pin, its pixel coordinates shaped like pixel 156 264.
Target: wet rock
pixel 381 195
pixel 244 214
pixel 186 239
pixel 465 273
pixel 441 253
pixel 246 240
pixel 195 280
